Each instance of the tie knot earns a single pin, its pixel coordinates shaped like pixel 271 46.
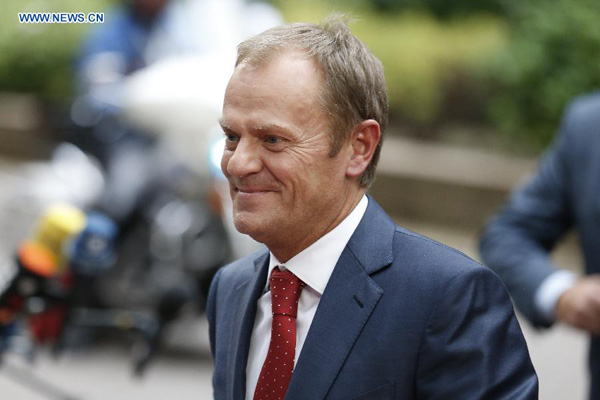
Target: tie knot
pixel 285 292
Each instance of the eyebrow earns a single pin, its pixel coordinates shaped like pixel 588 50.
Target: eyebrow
pixel 224 126
pixel 271 127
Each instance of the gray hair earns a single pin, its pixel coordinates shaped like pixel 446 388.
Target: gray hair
pixel 354 89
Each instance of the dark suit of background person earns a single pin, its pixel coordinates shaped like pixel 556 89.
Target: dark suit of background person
pixel 563 194
pixel 401 316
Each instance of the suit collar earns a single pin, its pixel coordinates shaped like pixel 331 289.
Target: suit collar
pixel 372 240
pixel 347 303
pixel 247 294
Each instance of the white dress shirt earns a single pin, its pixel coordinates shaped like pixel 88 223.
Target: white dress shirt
pixel 314 266
pixel 547 295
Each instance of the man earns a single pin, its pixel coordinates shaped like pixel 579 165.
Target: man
pixel 342 304
pixel 564 193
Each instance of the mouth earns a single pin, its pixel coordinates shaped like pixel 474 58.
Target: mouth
pixel 250 190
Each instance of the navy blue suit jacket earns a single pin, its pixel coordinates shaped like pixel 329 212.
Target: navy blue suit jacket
pixel 402 317
pixel 564 193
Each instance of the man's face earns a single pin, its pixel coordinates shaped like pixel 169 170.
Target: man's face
pixel 286 189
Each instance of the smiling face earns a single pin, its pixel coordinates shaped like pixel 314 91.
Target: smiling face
pixel 287 190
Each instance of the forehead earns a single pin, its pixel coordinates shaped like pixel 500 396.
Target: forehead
pixel 274 62
pixel 284 88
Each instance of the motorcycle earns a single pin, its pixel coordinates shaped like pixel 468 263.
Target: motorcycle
pixel 169 240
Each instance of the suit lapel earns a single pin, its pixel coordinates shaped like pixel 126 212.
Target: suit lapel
pixel 247 295
pixel 347 303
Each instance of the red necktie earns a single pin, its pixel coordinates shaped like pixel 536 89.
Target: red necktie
pixel 276 372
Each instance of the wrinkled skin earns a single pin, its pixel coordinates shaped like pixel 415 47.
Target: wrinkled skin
pixel 287 190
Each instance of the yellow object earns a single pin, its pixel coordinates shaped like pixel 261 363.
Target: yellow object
pixel 58 224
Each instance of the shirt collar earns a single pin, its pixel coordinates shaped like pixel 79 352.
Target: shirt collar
pixel 314 265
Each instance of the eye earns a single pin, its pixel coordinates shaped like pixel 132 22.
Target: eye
pixel 231 141
pixel 231 137
pixel 272 139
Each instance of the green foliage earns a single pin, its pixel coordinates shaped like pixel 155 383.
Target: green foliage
pixel 424 58
pixel 37 57
pixel 441 8
pixel 518 67
pixel 554 55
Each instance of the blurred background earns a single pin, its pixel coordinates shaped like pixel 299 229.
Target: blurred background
pixel 112 206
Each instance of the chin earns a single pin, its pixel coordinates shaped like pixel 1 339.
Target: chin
pixel 249 225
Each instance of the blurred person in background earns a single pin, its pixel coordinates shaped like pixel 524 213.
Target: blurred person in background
pixel 111 52
pixel 341 303
pixel 136 35
pixel 564 193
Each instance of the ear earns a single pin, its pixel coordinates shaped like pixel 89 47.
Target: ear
pixel 364 140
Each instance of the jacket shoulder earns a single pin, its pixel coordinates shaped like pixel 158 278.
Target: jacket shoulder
pixel 406 240
pixel 431 261
pixel 582 119
pixel 588 104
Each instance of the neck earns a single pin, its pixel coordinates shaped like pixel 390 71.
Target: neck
pixel 285 251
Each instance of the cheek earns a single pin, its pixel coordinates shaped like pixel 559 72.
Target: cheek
pixel 308 184
pixel 301 173
pixel 293 176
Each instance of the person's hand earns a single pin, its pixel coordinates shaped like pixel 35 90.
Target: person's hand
pixel 579 306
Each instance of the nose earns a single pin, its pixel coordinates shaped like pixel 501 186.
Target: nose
pixel 242 161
